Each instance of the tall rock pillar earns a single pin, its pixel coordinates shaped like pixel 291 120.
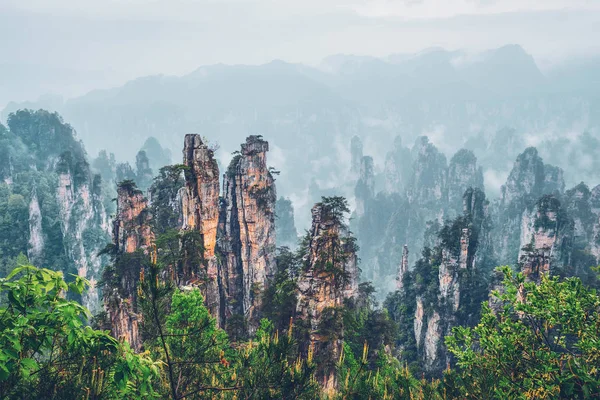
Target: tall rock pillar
pixel 131 234
pixel 248 230
pixel 200 204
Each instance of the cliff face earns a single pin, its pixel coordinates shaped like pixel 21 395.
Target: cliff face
pixel 430 175
pixel 64 223
pixel 559 235
pixel 201 200
pixel 402 269
pixel 131 233
pixel 451 293
pixel 131 226
pixel 329 276
pixel 248 241
pixel 529 180
pixel 85 226
pixel 463 173
pixel 422 190
pixel 200 207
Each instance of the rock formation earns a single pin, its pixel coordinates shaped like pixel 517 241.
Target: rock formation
pixel 200 206
pixel 330 275
pixel 402 269
pixel 36 238
pixel 131 234
pixel 248 230
pixel 463 173
pixel 421 191
pixel 529 180
pixel 428 188
pixel 446 285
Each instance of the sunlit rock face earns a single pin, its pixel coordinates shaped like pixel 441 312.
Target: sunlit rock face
pixel 131 234
pixel 201 200
pixel 200 206
pixel 247 237
pixel 330 275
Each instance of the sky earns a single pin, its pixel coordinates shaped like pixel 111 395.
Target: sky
pixel 99 43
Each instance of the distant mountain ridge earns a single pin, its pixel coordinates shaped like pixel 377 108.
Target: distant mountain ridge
pixel 456 98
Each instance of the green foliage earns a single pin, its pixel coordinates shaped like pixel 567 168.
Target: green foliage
pixel 164 192
pixel 47 351
pixel 271 368
pixel 542 344
pixel 334 208
pixel 366 324
pixel 280 298
pixel 387 380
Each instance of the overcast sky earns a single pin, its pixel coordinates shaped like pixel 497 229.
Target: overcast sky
pixel 122 39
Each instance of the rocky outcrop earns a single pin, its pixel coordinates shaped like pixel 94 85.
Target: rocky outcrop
pixel 131 226
pixel 248 230
pixel 84 224
pixel 428 188
pixel 418 321
pixel 402 269
pixel 36 234
pixel 463 173
pixel 131 234
pixel 528 181
pixel 539 235
pixel 365 187
pixel 200 207
pixel 330 275
pixel 446 287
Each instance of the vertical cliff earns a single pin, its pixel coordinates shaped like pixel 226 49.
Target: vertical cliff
pixel 428 187
pixel 528 181
pixel 422 190
pixel 44 167
pixel 248 229
pixel 463 173
pixel 402 269
pixel 543 228
pixel 330 274
pixel 200 208
pixel 446 286
pixel 36 237
pixel 132 238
